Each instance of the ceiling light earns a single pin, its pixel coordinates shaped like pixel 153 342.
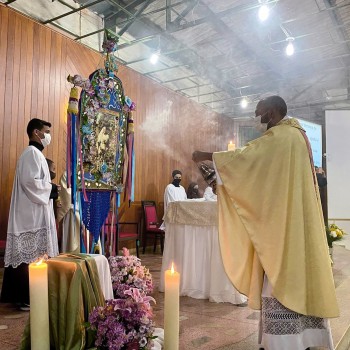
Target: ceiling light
pixel 290 46
pixel 154 58
pixel 244 103
pixel 263 12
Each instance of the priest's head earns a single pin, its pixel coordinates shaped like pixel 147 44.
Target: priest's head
pixel 271 109
pixel 39 130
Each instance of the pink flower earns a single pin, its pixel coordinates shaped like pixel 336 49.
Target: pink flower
pixel 135 294
pixel 127 272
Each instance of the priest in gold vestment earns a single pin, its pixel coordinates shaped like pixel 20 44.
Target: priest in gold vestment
pixel 272 235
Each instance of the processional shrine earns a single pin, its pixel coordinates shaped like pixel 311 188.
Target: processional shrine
pixel 100 151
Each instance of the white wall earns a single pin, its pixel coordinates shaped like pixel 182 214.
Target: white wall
pixel 338 168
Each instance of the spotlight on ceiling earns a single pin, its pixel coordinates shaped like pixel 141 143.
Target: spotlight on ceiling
pixel 154 58
pixel 290 46
pixel 244 103
pixel 264 11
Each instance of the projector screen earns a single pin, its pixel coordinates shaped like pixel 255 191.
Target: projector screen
pixel 314 134
pixel 338 163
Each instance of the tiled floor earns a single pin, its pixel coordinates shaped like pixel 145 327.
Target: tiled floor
pixel 211 326
pixel 12 323
pixel 204 325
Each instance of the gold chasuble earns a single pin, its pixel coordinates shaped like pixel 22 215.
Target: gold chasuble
pixel 270 220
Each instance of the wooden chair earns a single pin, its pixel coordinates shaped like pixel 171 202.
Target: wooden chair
pixel 122 234
pixel 151 225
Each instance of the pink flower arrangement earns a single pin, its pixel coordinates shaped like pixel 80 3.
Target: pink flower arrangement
pixel 127 272
pixel 124 324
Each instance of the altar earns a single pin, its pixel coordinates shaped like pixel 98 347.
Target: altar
pixel 192 243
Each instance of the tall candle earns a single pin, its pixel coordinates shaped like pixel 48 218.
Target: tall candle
pixel 231 146
pixel 171 309
pixel 39 306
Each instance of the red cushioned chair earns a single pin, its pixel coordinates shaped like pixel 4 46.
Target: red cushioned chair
pixel 123 233
pixel 151 225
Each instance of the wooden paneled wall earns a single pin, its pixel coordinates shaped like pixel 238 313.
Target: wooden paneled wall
pixel 34 64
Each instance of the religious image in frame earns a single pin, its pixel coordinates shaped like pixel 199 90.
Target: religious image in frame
pixel 103 133
pixel 100 156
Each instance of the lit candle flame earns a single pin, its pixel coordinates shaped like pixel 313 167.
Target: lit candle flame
pixel 39 262
pixel 172 268
pixel 231 143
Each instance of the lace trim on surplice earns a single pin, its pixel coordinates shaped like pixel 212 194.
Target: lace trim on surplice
pixel 27 247
pixel 278 320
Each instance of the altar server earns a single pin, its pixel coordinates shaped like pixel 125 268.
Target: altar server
pixel 174 191
pixel 31 231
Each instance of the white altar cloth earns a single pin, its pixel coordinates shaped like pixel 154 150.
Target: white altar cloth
pixel 104 275
pixel 195 251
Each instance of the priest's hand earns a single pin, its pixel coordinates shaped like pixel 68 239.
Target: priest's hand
pixel 199 156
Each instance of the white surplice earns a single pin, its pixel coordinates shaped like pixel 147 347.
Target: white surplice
pixel 31 229
pixel 209 195
pixel 173 194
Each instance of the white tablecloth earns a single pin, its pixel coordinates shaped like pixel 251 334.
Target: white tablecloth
pixel 196 254
pixel 104 274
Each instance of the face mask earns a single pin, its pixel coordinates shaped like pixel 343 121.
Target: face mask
pixel 261 127
pixel 176 182
pixel 52 175
pixel 46 140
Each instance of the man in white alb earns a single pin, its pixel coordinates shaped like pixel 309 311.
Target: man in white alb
pixel 210 192
pixel 174 191
pixel 31 231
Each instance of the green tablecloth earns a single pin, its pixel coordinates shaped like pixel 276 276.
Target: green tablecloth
pixel 74 290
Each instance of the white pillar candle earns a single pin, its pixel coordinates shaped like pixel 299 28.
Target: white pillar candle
pixel 171 309
pixel 231 146
pixel 39 306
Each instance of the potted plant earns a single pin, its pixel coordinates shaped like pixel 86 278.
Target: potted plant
pixel 334 233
